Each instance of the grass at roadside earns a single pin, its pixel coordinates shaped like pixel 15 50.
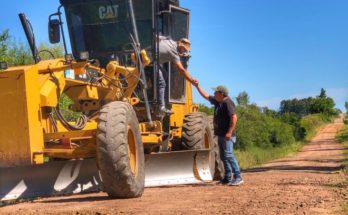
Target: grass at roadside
pixel 345 207
pixel 253 155
pixel 342 137
pixel 256 156
pixel 312 123
pixel 311 133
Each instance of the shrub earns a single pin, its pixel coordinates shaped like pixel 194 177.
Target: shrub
pixel 294 121
pixel 258 129
pixel 205 109
pixel 311 122
pixel 64 103
pixel 281 134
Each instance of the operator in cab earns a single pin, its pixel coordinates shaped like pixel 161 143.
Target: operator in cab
pixel 171 51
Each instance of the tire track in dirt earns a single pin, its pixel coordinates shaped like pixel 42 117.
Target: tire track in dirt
pixel 302 184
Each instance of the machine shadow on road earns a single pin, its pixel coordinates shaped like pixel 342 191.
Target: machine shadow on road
pixel 295 168
pixel 323 149
pixel 78 199
pixel 106 198
pixel 312 160
pixel 205 184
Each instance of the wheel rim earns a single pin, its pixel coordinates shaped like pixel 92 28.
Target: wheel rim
pixel 132 155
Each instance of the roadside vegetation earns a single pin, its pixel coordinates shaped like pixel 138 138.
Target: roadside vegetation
pixel 264 134
pixel 342 137
pixel 16 53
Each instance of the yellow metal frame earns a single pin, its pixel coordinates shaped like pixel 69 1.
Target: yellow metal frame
pixel 20 130
pixel 28 134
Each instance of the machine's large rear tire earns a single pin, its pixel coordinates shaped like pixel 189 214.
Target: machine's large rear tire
pixel 219 166
pixel 196 132
pixel 120 152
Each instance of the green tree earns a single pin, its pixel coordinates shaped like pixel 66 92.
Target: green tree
pixel 205 109
pixel 298 106
pixel 323 104
pixel 322 93
pixel 269 112
pixel 16 53
pixel 255 128
pixel 50 51
pixel 294 120
pixel 303 107
pixel 4 37
pixel 346 105
pixel 243 99
pixel 20 54
pixel 12 52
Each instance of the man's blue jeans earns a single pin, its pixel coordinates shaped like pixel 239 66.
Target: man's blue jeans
pixel 228 158
pixel 161 87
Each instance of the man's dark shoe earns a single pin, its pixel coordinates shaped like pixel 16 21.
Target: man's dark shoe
pixel 165 111
pixel 224 181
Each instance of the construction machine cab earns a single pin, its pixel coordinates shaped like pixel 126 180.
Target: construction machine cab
pixel 104 30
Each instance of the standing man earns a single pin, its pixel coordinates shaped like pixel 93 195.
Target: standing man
pixel 225 121
pixel 170 51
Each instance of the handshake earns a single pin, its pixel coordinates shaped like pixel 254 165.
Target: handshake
pixel 201 91
pixel 194 82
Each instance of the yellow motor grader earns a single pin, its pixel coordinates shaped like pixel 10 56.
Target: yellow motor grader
pixel 118 140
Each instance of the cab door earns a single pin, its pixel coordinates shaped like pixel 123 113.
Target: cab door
pixel 178 28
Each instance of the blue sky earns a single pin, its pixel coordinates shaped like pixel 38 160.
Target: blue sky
pixel 272 49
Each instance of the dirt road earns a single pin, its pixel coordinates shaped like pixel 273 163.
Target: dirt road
pixel 307 183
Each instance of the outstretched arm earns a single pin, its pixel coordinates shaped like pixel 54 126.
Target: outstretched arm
pixel 193 81
pixel 186 74
pixel 201 91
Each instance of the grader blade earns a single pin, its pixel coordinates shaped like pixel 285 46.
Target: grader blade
pixel 181 167
pixel 50 179
pixel 81 176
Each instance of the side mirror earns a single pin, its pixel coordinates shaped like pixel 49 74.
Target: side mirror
pixel 54 31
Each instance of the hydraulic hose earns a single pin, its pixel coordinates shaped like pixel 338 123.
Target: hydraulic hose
pixel 79 125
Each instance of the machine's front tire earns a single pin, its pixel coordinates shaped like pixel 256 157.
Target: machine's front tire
pixel 120 153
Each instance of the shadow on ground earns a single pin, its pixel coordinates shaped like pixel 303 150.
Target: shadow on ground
pixel 78 199
pixel 296 168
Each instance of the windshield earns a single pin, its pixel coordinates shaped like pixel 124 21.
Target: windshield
pixel 103 27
